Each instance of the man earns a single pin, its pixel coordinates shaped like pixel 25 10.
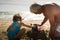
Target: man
pixel 51 12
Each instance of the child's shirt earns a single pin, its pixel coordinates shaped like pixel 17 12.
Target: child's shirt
pixel 12 33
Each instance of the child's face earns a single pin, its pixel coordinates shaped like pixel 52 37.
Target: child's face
pixel 19 20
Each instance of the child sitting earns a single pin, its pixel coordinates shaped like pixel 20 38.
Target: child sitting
pixel 14 31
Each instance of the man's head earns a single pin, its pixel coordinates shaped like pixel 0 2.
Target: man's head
pixel 35 8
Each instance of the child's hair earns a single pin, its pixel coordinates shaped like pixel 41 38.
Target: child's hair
pixel 15 18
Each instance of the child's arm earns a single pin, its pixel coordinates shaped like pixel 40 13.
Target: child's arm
pixel 22 24
pixel 26 25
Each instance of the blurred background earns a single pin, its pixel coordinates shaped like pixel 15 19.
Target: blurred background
pixel 10 7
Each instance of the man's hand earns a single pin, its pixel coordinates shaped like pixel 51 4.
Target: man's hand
pixel 40 27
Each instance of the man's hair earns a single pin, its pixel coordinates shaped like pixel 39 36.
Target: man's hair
pixel 35 7
pixel 15 18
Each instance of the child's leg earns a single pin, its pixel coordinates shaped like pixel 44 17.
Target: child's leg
pixel 19 34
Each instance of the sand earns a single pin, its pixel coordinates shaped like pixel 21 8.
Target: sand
pixel 4 24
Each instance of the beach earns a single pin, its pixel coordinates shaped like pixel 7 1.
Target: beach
pixel 4 24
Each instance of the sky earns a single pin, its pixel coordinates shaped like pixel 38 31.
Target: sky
pixel 22 7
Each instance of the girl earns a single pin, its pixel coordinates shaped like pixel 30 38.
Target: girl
pixel 14 31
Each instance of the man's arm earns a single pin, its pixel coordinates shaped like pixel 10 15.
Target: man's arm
pixel 52 25
pixel 45 19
